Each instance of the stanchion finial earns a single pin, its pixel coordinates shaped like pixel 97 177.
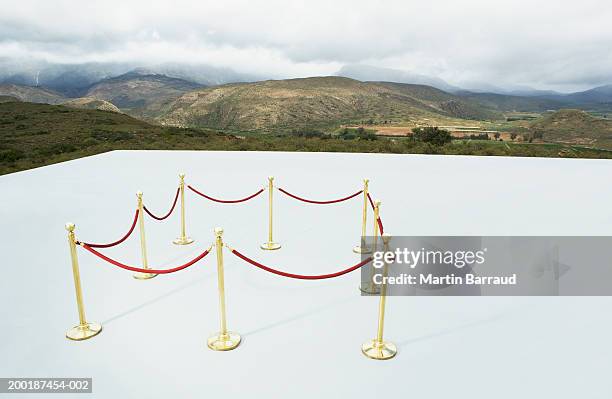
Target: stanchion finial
pixel 363 248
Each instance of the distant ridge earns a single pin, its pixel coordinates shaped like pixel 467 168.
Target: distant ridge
pixel 73 80
pixel 506 103
pixel 368 73
pixel 597 95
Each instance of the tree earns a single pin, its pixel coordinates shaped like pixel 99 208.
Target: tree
pixel 431 135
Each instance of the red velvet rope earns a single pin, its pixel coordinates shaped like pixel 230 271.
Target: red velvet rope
pixel 140 270
pixel 319 202
pixel 119 241
pixel 178 190
pixel 380 225
pixel 226 201
pixel 300 276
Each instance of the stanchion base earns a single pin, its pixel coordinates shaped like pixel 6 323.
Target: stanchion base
pixel 369 288
pixel 143 276
pixel 270 246
pixel 83 332
pixel 362 250
pixel 379 350
pixel 224 342
pixel 183 241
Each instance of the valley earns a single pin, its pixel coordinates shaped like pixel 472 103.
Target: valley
pixel 34 135
pixel 144 110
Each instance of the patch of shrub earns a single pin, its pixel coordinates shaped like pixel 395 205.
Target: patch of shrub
pixel 58 148
pixel 106 135
pixel 11 155
pixel 308 133
pixel 431 135
pixel 90 141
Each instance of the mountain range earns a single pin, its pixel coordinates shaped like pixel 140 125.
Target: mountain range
pixel 378 94
pixel 74 80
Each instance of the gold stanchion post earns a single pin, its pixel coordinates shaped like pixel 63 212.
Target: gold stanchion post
pixel 377 348
pixel 143 242
pixel 368 287
pixel 83 330
pixel 363 248
pixel 223 340
pixel 270 245
pixel 182 239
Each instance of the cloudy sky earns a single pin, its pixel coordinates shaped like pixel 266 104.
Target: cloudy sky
pixel 558 44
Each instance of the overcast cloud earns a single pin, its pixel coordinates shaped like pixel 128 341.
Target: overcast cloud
pixel 563 45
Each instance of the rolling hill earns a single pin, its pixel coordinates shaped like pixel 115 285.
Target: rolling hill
pixel 91 103
pixel 140 93
pixel 8 99
pixel 31 94
pixel 576 127
pixel 314 102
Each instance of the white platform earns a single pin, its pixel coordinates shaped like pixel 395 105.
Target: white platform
pixel 301 339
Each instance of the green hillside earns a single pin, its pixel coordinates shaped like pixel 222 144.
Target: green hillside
pixel 314 102
pixel 576 127
pixel 33 135
pixel 8 99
